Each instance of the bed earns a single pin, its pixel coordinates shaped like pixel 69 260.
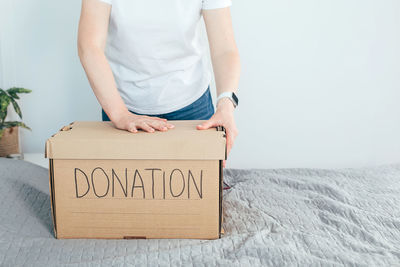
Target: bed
pixel 283 217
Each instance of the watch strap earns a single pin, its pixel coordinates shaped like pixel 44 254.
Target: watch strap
pixel 231 97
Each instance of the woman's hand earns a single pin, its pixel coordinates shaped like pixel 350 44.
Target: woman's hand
pixel 223 117
pixel 132 123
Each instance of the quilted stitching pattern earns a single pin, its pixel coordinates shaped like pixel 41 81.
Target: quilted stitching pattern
pixel 272 218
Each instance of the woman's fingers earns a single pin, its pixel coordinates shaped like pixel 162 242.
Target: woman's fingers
pixel 158 125
pixel 229 143
pixel 132 128
pixel 144 126
pixel 229 140
pixel 132 123
pixel 149 124
pixel 170 126
pixel 231 134
pixel 212 122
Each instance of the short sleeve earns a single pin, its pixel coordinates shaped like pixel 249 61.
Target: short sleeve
pixel 213 4
pixel 107 1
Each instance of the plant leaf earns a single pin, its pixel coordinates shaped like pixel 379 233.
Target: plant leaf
pixel 18 90
pixel 13 95
pixel 16 107
pixel 4 102
pixel 10 124
pixel 1 133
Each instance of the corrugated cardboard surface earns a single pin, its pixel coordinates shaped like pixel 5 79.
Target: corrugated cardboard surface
pixel 103 199
pixel 108 183
pixel 101 140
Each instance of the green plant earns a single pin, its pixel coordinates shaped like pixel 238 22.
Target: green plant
pixel 7 97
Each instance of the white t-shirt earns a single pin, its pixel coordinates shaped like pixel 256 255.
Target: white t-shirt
pixel 156 52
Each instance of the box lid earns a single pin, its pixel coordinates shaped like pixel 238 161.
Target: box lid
pixel 101 140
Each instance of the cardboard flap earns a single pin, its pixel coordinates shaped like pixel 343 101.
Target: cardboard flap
pixel 101 140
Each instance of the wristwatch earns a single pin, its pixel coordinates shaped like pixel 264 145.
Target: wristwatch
pixel 231 95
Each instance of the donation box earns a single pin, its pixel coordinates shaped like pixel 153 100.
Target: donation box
pixel 110 183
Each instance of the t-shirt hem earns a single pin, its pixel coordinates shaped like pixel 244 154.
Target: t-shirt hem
pixel 172 109
pixel 106 1
pixel 218 4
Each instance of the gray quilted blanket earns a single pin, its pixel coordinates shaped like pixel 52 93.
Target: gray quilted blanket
pixel 288 217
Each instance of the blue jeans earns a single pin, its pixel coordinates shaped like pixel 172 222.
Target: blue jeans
pixel 201 109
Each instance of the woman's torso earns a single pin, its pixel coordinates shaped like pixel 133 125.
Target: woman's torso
pixel 156 52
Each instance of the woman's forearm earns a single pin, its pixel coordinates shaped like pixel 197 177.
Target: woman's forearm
pixel 224 52
pixel 227 72
pixel 102 80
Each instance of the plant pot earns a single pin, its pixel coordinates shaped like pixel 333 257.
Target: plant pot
pixel 9 142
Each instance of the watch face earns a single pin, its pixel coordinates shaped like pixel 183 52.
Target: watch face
pixel 235 98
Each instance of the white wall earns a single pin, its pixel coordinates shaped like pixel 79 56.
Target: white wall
pixel 320 84
pixel 41 41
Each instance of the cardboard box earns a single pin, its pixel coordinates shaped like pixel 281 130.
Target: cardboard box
pixel 109 183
